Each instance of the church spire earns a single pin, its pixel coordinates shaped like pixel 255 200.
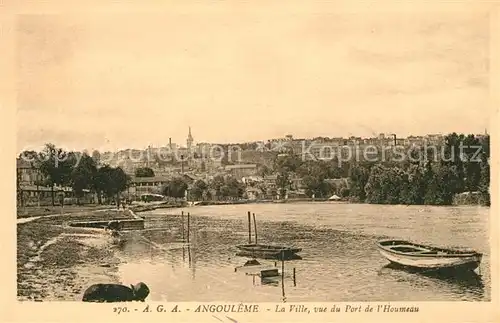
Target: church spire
pixel 189 140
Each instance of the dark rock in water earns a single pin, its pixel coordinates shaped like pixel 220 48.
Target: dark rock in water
pixel 252 262
pixel 115 293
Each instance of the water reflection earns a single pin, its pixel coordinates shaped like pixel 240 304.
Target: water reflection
pixel 269 274
pixel 287 257
pixel 463 281
pixel 186 249
pixel 340 259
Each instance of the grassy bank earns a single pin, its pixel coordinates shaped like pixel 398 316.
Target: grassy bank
pixel 55 262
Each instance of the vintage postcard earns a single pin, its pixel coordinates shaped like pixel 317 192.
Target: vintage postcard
pixel 237 161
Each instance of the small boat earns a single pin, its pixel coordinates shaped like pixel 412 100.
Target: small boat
pixel 409 254
pixel 268 251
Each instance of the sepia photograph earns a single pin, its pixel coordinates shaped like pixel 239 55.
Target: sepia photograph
pixel 227 153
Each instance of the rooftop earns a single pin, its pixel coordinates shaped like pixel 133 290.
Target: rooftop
pixel 150 179
pixel 240 166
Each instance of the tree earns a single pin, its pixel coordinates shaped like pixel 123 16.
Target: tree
pixel 232 188
pixel 100 182
pixel 216 184
pixel 416 185
pixel 283 182
pixel 144 172
pixel 484 184
pixel 484 181
pixel 374 190
pixel 358 177
pixel 56 165
pixel 288 163
pixel 471 159
pixel 120 182
pixel 176 187
pixel 335 169
pixel 317 186
pixel 111 181
pixel 199 187
pixel 454 156
pixel 83 175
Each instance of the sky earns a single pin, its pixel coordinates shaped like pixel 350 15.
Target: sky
pixel 121 80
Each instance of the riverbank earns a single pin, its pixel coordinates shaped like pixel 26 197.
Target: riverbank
pixel 32 211
pixel 58 262
pixel 150 206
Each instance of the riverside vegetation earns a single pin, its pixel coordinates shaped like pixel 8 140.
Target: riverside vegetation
pixel 428 175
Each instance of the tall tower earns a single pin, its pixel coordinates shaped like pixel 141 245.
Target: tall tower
pixel 189 141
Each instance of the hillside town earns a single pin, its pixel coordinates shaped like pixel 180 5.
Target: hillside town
pixel 208 171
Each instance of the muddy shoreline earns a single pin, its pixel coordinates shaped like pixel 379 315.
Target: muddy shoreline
pixel 56 262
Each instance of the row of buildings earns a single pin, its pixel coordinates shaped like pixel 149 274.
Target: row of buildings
pixel 33 191
pixel 210 156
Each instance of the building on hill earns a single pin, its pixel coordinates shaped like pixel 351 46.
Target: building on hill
pixel 141 185
pixel 241 170
pixel 412 141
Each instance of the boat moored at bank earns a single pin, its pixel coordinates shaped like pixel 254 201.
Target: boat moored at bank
pixel 409 254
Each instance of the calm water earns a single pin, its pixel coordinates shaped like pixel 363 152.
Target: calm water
pixel 340 261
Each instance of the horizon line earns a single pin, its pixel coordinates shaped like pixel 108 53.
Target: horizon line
pixel 146 146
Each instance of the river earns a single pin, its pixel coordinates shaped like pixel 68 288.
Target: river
pixel 339 261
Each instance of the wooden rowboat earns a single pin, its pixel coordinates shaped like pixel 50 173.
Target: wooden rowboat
pixel 267 251
pixel 409 254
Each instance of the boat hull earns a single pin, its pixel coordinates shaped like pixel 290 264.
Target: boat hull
pixel 426 257
pixel 433 263
pixel 268 252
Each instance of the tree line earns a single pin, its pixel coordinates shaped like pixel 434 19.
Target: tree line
pixel 77 170
pixel 427 176
pixel 218 188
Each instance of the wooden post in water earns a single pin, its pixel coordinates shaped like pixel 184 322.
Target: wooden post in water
pixel 283 274
pixel 294 281
pixel 188 228
pixel 249 229
pixel 182 217
pixel 255 227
